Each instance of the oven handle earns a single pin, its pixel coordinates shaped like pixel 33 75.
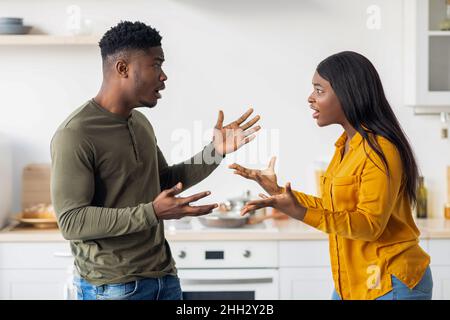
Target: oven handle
pixel 226 281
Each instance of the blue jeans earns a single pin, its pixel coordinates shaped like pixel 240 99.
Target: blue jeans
pixel 422 291
pixel 165 288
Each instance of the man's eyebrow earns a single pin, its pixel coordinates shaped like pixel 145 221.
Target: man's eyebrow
pixel 160 59
pixel 317 84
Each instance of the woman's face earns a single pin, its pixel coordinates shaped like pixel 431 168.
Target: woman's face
pixel 326 105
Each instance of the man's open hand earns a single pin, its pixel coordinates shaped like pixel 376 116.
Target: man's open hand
pixel 231 137
pixel 167 206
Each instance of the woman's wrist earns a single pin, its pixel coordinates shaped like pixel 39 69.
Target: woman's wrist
pixel 297 213
pixel 301 213
pixel 275 191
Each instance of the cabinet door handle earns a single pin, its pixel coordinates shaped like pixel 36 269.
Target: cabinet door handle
pixel 226 281
pixel 62 254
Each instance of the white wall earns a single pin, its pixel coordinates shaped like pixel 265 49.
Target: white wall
pixel 219 54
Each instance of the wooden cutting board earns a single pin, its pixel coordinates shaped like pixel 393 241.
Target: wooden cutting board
pixel 36 185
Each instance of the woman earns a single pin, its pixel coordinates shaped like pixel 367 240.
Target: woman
pixel 367 189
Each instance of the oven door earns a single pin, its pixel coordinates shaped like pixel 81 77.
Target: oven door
pixel 229 284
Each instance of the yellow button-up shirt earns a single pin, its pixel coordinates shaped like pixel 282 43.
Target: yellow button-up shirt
pixel 372 234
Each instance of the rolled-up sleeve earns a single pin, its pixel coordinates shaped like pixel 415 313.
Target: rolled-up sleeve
pixel 375 198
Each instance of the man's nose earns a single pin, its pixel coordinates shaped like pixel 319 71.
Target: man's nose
pixel 163 76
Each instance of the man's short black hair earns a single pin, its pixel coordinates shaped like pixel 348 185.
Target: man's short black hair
pixel 129 36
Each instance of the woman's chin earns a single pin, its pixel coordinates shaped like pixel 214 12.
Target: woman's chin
pixel 320 123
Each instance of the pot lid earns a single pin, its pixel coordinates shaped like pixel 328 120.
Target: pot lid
pixel 243 198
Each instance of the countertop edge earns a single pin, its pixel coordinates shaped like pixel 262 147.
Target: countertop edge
pixel 282 231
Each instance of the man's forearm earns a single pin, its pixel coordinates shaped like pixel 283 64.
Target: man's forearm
pixel 87 223
pixel 192 171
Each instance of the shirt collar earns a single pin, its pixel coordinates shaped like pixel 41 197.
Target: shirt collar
pixel 341 141
pixel 109 113
pixel 354 142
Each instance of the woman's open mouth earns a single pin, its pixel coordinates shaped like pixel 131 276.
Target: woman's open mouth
pixel 316 113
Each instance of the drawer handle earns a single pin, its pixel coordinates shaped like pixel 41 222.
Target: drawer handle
pixel 226 281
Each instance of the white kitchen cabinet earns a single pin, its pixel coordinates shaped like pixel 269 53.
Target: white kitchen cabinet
pixel 424 244
pixel 315 283
pixel 37 270
pixel 441 282
pixel 304 253
pixel 439 250
pixel 426 56
pixel 26 284
pixel 305 272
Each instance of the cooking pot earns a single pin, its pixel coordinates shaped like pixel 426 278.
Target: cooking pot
pixel 230 219
pixel 236 204
pixel 229 214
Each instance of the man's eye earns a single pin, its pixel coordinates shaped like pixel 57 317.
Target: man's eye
pixel 319 90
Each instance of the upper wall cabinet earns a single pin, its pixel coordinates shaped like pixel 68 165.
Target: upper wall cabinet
pixel 427 54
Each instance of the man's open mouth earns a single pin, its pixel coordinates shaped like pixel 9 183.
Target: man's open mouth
pixel 157 92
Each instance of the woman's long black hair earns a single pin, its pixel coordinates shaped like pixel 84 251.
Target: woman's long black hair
pixel 360 92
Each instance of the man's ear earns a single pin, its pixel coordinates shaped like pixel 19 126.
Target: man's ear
pixel 121 67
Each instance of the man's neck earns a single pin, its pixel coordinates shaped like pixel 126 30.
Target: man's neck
pixel 113 102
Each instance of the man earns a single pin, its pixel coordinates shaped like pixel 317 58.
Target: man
pixel 108 173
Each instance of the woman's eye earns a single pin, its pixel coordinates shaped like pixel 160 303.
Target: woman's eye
pixel 319 90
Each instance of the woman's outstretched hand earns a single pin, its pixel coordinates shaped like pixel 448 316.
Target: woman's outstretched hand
pixel 284 202
pixel 266 178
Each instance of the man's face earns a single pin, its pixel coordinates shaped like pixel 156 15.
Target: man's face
pixel 147 76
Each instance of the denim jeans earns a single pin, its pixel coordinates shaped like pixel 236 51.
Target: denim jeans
pixel 422 291
pixel 165 288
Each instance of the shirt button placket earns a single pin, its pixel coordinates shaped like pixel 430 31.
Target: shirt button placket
pixel 133 139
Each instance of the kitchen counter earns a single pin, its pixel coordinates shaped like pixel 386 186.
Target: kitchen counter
pixel 269 230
